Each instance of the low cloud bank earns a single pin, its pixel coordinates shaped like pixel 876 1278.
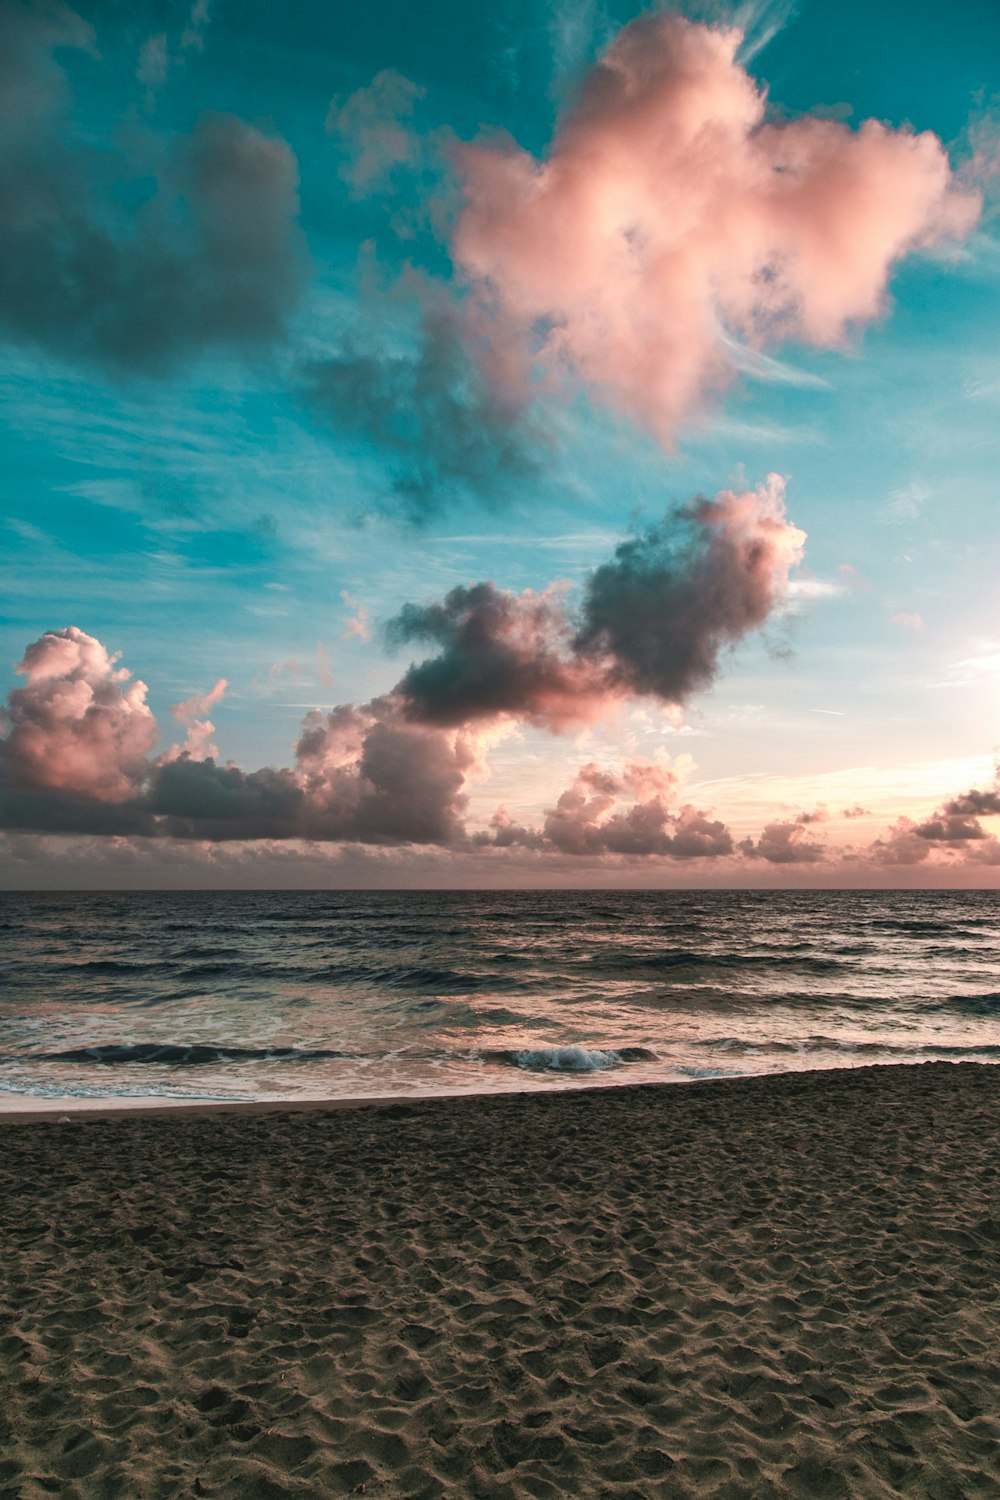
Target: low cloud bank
pixel 953 833
pixel 77 758
pixel 77 753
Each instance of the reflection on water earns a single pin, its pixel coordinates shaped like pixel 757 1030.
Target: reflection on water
pixel 242 995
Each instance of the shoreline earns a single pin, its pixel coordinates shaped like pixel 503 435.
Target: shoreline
pixel 74 1108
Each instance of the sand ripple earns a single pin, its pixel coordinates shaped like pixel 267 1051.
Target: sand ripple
pixel 768 1287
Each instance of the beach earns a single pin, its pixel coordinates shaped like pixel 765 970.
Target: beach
pixel 782 1285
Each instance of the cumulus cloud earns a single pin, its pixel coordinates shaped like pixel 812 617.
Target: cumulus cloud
pixel 500 653
pixel 78 725
pixel 664 609
pixel 673 215
pixel 212 258
pixel 785 844
pixel 192 713
pixel 78 741
pixel 953 832
pixel 902 845
pixel 975 803
pixel 629 812
pixel 654 620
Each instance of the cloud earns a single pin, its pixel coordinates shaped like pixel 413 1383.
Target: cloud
pixel 75 726
pixel 371 125
pixel 192 713
pixel 154 64
pixel 902 845
pixel 907 622
pixel 673 216
pixel 370 775
pixel 785 844
pixel 587 821
pixel 952 833
pixel 76 758
pixel 358 624
pixel 198 799
pixel 431 406
pixel 626 812
pixel 957 822
pixel 675 596
pixel 212 258
pixel 654 620
pixel 500 653
pixel 975 803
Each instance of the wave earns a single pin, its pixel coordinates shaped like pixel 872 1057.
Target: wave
pixel 441 981
pixel 180 1054
pixel 115 966
pixel 849 1048
pixel 976 1005
pixel 572 1059
pixel 683 958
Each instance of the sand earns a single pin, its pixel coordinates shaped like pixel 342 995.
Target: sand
pixel 778 1287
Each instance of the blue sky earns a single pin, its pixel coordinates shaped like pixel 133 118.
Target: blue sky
pixel 217 511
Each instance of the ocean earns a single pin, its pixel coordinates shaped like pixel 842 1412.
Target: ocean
pixel 309 995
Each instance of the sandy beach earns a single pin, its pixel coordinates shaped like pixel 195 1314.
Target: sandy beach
pixel 778 1286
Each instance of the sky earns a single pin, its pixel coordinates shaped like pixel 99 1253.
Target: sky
pixel 544 444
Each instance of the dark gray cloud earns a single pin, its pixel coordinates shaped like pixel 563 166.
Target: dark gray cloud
pixel 654 620
pixel 944 827
pixel 199 799
pixel 499 653
pixel 974 803
pixel 52 810
pixel 673 598
pixel 370 776
pixel 211 257
pixel 430 408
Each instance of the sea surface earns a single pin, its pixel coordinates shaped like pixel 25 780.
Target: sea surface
pixel 299 995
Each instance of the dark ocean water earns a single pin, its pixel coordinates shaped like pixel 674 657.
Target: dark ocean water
pixel 244 995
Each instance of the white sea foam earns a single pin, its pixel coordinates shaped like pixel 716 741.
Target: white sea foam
pixel 576 1059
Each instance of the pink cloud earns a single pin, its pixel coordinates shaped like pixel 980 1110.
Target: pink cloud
pixel 671 216
pixel 358 624
pixel 192 713
pixel 75 726
pixel 626 812
pixel 785 844
pixel 908 622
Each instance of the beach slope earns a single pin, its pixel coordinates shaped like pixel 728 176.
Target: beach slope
pixel 782 1286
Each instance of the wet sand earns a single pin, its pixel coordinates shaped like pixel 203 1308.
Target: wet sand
pixel 781 1286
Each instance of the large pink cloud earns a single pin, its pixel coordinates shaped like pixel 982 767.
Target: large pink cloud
pixel 77 725
pixel 672 216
